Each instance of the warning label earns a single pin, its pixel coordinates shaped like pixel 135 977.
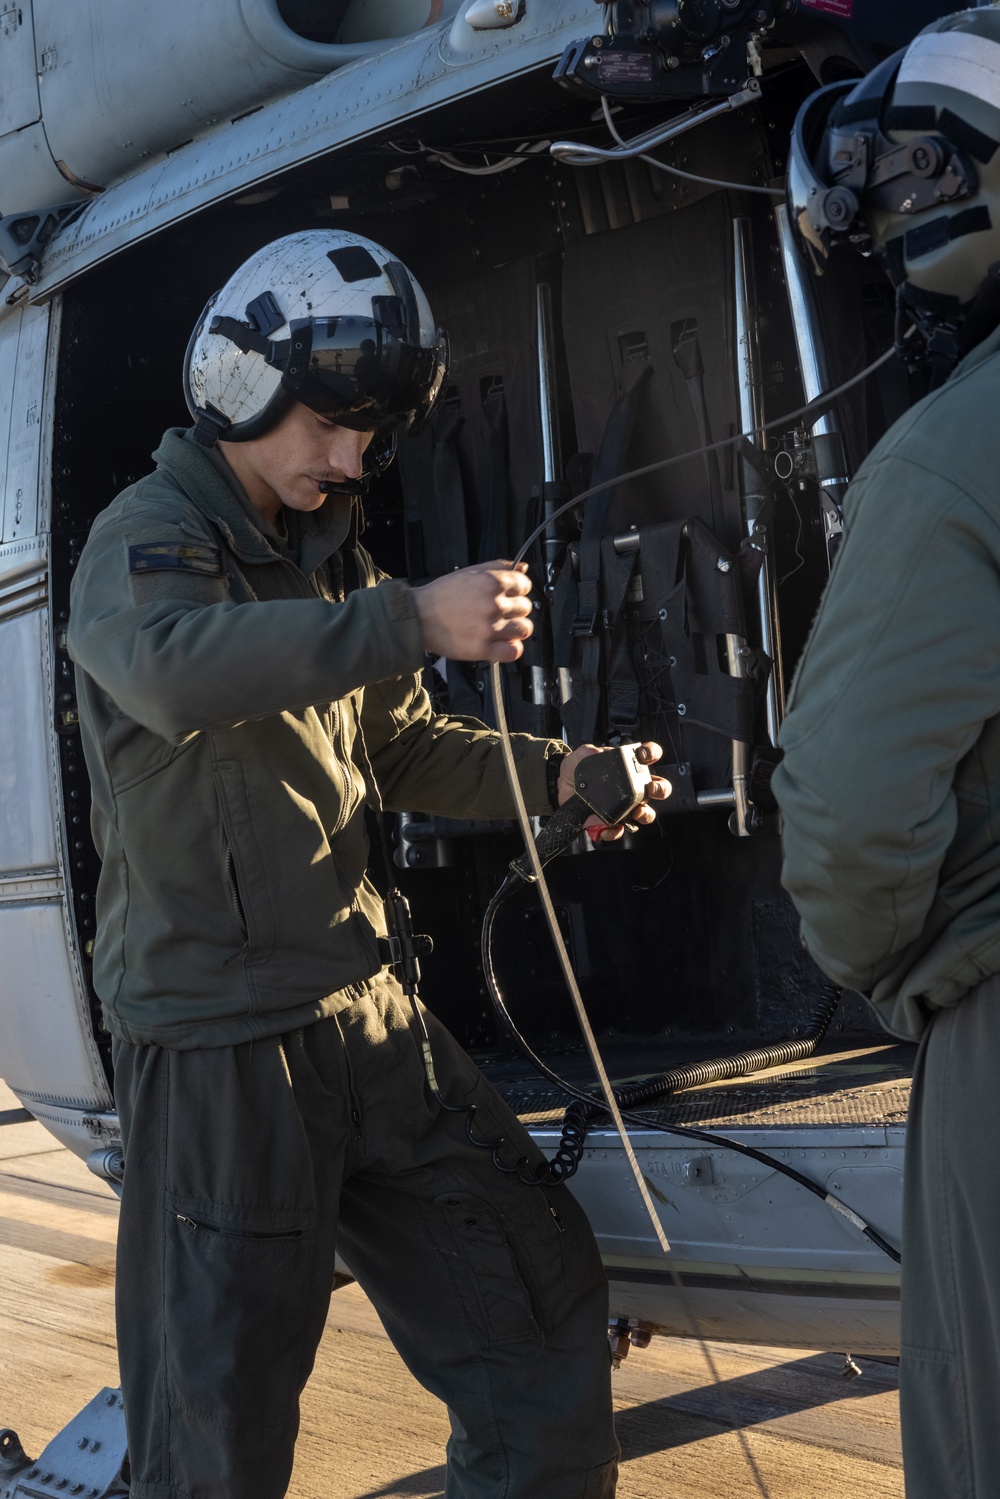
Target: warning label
pixel 832 7
pixel 625 67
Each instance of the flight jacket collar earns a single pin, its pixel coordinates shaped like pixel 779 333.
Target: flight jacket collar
pixel 216 492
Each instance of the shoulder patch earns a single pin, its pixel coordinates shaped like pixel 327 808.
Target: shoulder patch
pixel 174 556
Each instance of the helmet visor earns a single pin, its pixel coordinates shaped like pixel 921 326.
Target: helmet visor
pixel 356 372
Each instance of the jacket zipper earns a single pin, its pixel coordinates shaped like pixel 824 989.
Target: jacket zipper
pixel 343 764
pixel 231 1233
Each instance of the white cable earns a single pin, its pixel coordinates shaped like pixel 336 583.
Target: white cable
pixel 504 165
pixel 664 166
pixel 610 1101
pixel 575 154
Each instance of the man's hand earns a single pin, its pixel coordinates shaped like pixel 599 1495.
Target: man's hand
pixel 659 787
pixel 480 613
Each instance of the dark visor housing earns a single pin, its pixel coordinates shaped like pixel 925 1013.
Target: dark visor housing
pixel 355 371
pixel 820 211
pixel 352 370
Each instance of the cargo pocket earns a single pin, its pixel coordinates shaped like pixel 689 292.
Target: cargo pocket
pixel 235 1312
pixel 485 1267
pixel 545 1227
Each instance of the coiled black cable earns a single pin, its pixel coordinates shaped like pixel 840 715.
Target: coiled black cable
pixel 698 1074
pixel 585 1109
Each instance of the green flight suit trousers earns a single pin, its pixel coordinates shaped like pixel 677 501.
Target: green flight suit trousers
pixel 950 1357
pixel 246 1165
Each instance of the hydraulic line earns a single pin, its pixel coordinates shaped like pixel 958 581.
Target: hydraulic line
pixel 576 154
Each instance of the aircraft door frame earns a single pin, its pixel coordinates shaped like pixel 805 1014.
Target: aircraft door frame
pixel 48 1052
pixel 21 456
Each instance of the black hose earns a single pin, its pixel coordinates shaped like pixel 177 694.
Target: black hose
pixel 581 1114
pixel 634 1095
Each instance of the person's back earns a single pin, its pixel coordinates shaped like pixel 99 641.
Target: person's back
pixel 890 784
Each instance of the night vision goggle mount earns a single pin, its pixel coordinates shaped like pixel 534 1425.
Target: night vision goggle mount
pixel 842 162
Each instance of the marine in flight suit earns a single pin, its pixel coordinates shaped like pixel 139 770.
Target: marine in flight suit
pixel 890 784
pixel 248 682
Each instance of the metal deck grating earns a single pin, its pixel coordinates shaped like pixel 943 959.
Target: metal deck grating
pixel 868 1087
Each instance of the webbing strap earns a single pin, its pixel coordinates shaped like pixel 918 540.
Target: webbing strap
pixel 620 676
pixel 613 451
pixel 687 355
pixel 493 541
pixel 583 648
pixel 449 495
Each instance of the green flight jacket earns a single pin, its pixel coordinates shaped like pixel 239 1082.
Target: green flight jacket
pixel 234 709
pixel 890 785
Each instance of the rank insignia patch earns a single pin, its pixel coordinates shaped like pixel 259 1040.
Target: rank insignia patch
pixel 172 556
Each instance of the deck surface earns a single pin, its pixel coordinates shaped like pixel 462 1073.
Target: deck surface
pixel 713 1422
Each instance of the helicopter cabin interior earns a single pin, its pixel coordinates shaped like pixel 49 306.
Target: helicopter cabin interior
pixel 601 318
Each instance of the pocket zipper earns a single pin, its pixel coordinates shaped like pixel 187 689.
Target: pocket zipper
pixel 232 1233
pixel 234 891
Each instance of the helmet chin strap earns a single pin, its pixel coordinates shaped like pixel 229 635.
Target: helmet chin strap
pixel 946 337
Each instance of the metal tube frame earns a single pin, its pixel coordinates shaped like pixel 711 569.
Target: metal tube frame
pixel 755 494
pixel 814 370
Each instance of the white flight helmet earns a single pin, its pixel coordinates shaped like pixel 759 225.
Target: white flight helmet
pixel 326 318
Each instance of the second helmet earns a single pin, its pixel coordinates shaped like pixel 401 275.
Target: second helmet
pixel 907 163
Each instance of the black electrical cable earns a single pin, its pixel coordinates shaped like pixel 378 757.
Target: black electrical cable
pixel 808 414
pixel 720 1069
pixel 580 1116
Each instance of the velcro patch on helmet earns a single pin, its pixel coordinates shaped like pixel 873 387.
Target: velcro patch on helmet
pixel 926 238
pixel 910 117
pixel 966 137
pixel 894 260
pixel 172 556
pixel 959 60
pixel 355 263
